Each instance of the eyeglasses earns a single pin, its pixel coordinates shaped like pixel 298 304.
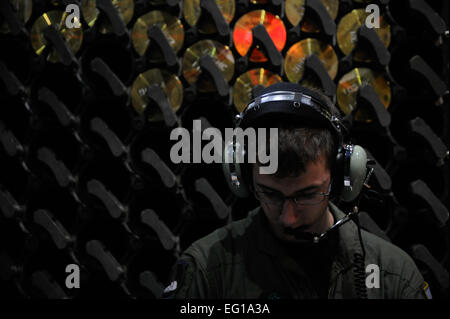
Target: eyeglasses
pixel 277 199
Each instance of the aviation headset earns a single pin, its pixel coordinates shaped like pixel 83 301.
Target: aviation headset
pixel 296 104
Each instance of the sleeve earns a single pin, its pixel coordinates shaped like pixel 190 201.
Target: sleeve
pixel 413 284
pixel 422 292
pixel 418 291
pixel 187 280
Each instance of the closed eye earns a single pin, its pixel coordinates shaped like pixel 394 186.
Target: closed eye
pixel 310 195
pixel 272 194
pixel 299 192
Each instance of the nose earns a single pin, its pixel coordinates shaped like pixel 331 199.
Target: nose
pixel 289 215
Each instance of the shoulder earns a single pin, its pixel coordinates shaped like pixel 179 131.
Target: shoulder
pixel 400 276
pixel 396 266
pixel 224 243
pixel 193 274
pixel 392 257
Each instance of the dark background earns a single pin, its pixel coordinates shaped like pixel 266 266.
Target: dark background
pixel 132 258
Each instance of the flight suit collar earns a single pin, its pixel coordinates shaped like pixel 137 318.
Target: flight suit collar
pixel 348 238
pixel 342 280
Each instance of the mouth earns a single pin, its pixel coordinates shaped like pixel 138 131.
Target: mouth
pixel 301 228
pixel 300 232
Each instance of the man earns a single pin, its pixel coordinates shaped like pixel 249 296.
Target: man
pixel 271 253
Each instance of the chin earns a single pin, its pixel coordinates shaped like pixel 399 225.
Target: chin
pixel 303 228
pixel 291 239
pixel 287 238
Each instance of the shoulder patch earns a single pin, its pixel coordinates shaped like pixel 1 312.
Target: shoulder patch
pixel 171 287
pixel 176 278
pixel 427 291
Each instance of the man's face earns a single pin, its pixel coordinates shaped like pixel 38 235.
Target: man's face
pixel 313 218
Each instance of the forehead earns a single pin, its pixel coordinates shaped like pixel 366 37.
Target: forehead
pixel 316 173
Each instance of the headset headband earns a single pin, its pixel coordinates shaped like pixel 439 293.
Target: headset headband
pixel 277 102
pixel 350 164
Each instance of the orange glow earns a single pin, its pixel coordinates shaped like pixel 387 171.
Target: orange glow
pixel 243 38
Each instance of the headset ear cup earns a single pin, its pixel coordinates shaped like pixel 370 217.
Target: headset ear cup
pixel 337 177
pixel 232 170
pixel 357 173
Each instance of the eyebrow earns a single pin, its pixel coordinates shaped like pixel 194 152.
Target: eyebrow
pixel 302 190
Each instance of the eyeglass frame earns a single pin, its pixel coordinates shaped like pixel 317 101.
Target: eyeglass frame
pixel 293 198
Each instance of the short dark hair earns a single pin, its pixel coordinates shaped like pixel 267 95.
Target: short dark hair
pixel 301 143
pixel 299 146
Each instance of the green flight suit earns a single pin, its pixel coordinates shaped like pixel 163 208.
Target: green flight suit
pixel 244 260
